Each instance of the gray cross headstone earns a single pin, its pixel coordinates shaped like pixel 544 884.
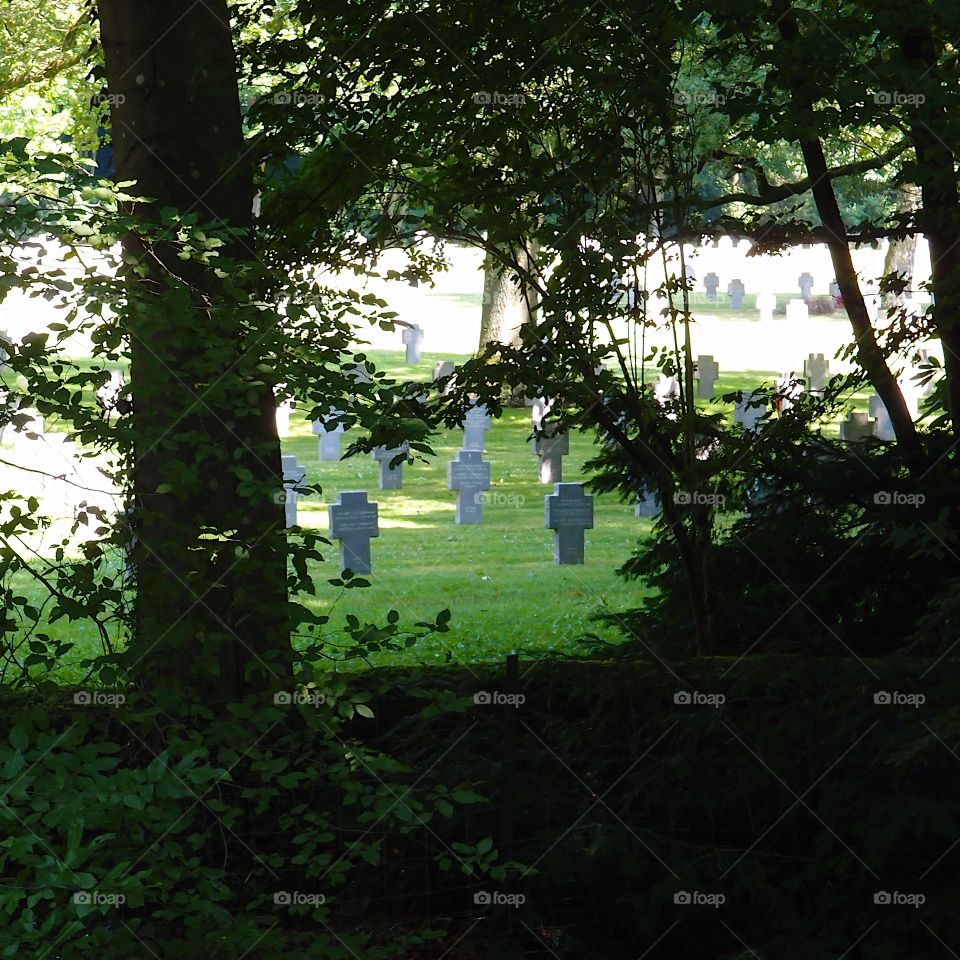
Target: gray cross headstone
pixel 353 521
pixel 293 477
pixel 710 283
pixel 647 505
pixel 475 425
pixel 568 511
pixel 391 478
pixel 359 373
pixel 412 338
pixel 551 448
pixel 469 475
pixel 857 426
pixel 329 442
pixel 805 282
pixel 736 290
pixel 444 368
pixel 834 288
pixel 283 418
pixel 707 372
pixel 748 412
pixel 816 371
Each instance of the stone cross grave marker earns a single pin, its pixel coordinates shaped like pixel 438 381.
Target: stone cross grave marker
pixel 805 282
pixel 469 475
pixel 329 442
pixel 353 521
pixel 797 311
pixel 551 448
pixel 568 511
pixel 647 505
pixel 857 426
pixel 736 290
pixel 391 478
pixel 816 371
pixel 443 368
pixel 412 338
pixel 766 304
pixel 293 477
pixel 748 413
pixel 538 410
pixel 789 390
pixel 882 428
pixel 475 425
pixel 283 418
pixel 834 288
pixel 707 372
pixel 710 283
pixel 666 389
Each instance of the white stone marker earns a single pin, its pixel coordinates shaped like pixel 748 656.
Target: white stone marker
pixel 647 505
pixel 293 476
pixel 475 425
pixel 391 478
pixel 748 413
pixel 766 304
pixel 816 371
pixel 797 311
pixel 551 448
pixel 412 338
pixel 469 475
pixel 283 418
pixel 568 511
pixel 353 521
pixel 882 428
pixel 789 389
pixel 329 438
pixel 707 373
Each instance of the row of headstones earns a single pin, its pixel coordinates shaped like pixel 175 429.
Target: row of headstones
pixel 736 289
pixel 354 520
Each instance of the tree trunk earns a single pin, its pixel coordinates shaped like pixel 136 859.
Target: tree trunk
pixel 869 354
pixel 507 304
pixel 210 621
pixel 902 253
pixel 940 215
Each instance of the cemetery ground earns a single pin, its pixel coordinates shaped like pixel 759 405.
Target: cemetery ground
pixel 497 578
